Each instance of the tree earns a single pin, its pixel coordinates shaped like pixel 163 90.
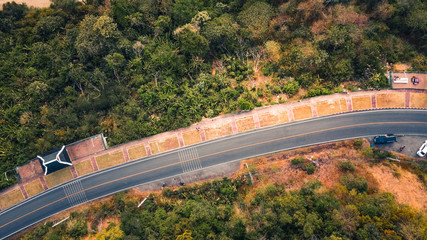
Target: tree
pixel 96 37
pixel 192 43
pixel 184 10
pixel 47 26
pixel 221 32
pixel 116 62
pixel 255 18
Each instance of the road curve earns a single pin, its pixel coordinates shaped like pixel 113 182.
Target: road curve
pixel 192 158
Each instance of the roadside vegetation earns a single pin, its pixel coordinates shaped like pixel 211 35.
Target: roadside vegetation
pixel 343 199
pixel 135 68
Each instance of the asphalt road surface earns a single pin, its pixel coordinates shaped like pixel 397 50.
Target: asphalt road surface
pixel 232 148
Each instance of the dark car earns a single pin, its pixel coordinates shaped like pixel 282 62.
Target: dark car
pixel 389 138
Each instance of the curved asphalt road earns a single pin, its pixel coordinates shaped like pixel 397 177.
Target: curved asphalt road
pixel 206 154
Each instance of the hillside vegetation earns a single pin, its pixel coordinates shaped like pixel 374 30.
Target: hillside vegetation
pixel 135 68
pixel 339 200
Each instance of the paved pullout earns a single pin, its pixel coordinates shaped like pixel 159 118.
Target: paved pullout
pixel 210 153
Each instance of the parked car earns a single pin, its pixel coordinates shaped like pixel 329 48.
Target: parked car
pixel 423 150
pixel 385 139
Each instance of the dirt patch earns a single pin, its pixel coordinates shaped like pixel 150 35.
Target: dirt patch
pixel 11 198
pixel 403 184
pixel 217 131
pixel 331 106
pixel 361 102
pixel 418 100
pixel 84 167
pixel 30 170
pixel 110 159
pixel 302 112
pixel 268 119
pixel 137 152
pixel 271 118
pixel 33 188
pixel 191 137
pixel 58 177
pixel 389 100
pixel 168 143
pixel 245 124
pixel 30 3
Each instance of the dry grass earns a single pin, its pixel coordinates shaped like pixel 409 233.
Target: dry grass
pixel 191 137
pixel 30 3
pixel 33 188
pixel 277 168
pixel 245 123
pixel 405 185
pixel 84 167
pixel 331 106
pixel 387 100
pixel 110 159
pixel 58 177
pixel 418 100
pixel 168 143
pixel 268 119
pixel 11 198
pixel 361 102
pixel 137 152
pixel 212 132
pixel 302 112
pixel 154 147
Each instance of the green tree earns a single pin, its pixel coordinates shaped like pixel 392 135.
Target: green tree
pixel 256 18
pixel 192 43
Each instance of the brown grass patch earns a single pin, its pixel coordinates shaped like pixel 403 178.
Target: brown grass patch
pixel 302 112
pixel 33 188
pixel 218 131
pixel 137 151
pixel 277 168
pixel 11 198
pixel 191 137
pixel 58 177
pixel 406 187
pixel 331 106
pixel 386 100
pixel 245 124
pixel 110 159
pixel 418 100
pixel 169 143
pixel 361 102
pixel 271 118
pixel 268 119
pixel 84 167
pixel 30 3
pixel 154 147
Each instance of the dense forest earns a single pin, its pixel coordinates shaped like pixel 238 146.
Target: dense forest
pixel 135 68
pixel 233 209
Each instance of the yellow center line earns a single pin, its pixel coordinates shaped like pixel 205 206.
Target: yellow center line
pixel 207 155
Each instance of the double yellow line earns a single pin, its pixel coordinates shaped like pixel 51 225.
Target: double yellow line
pixel 212 154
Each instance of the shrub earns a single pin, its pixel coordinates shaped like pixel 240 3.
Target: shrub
pixel 245 105
pixel 309 168
pixel 351 182
pixel 290 88
pixel 347 166
pixel 357 143
pixel 297 160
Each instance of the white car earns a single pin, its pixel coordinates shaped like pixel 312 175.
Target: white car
pixel 423 150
